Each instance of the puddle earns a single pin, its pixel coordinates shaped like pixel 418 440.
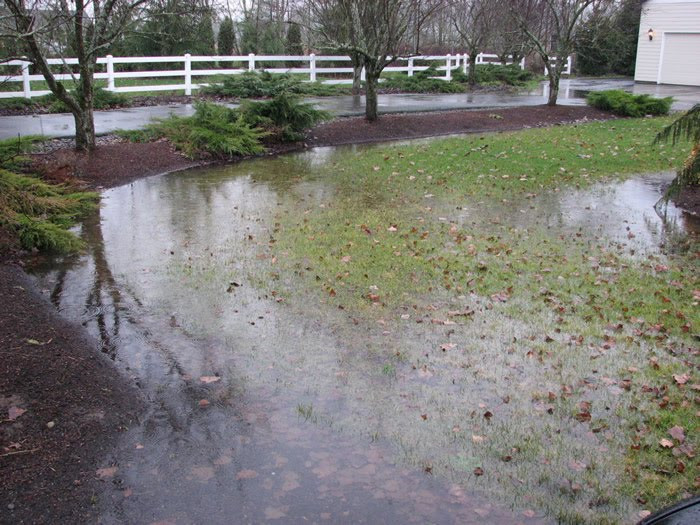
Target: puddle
pixel 289 411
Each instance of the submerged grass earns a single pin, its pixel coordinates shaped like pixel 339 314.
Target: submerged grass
pixel 444 233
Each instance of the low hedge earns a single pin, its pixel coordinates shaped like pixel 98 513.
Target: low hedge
pixel 629 105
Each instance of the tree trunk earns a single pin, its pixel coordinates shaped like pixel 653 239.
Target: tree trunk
pixel 84 118
pixel 553 87
pixel 84 129
pixel 472 70
pixel 356 74
pixel 371 113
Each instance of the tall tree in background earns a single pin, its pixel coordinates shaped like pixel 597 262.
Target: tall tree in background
pixel 607 43
pixel 374 34
pixel 175 27
pixel 329 22
pixel 552 27
pixel 90 26
pixel 226 42
pixel 506 39
pixel 473 22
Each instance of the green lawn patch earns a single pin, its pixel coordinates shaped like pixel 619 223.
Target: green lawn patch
pixel 609 330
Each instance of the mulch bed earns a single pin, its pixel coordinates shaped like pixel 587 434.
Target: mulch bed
pixel 116 163
pixel 50 368
pixel 415 125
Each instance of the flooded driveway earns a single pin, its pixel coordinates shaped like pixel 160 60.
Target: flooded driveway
pixel 572 92
pixel 266 405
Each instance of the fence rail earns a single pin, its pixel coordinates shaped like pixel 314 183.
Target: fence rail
pixel 245 63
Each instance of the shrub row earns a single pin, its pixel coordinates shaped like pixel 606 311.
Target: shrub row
pixel 222 132
pixel 254 84
pixel 629 105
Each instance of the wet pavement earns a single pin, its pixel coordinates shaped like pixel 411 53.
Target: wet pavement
pixel 572 92
pixel 285 411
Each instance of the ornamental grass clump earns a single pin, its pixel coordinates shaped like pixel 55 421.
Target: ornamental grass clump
pixel 213 130
pixel 36 213
pixel 284 116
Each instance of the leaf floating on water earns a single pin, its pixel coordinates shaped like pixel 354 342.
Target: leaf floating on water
pixel 246 474
pixel 209 379
pixel 223 460
pixel 274 513
pixel 107 472
pixel 202 473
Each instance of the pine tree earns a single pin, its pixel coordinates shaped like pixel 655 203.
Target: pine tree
pixel 227 38
pixel 294 46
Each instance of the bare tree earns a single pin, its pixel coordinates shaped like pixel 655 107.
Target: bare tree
pixel 552 27
pixel 373 35
pixel 90 27
pixel 421 15
pixel 506 38
pixel 473 22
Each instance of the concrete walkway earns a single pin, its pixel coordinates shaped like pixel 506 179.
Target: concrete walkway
pixel 572 92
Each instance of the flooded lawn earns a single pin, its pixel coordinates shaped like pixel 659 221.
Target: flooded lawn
pixel 316 347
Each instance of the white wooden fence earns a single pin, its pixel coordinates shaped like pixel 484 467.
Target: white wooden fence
pixel 311 65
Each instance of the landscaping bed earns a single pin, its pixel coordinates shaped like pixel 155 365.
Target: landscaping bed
pixel 118 161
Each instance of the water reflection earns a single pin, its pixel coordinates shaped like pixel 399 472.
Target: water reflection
pixel 260 410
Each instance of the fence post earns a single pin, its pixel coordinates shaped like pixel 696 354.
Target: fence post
pixel 568 65
pixel 188 74
pixel 466 63
pixel 26 85
pixel 110 73
pixel 312 67
pixel 522 64
pixel 410 67
pixel 251 62
pixel 448 69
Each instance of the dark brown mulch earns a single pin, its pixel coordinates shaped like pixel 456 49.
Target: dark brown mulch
pixel 414 125
pixel 110 165
pixel 50 368
pixel 689 200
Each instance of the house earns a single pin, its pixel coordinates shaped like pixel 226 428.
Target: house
pixel 668 49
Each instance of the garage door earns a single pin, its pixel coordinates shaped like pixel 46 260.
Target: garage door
pixel 681 59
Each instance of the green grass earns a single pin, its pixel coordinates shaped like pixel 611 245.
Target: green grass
pixel 384 245
pixel 660 475
pixel 381 189
pixel 38 214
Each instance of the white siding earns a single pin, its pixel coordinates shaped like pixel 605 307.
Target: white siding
pixel 662 15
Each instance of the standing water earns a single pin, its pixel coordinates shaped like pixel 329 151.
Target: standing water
pixel 263 409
